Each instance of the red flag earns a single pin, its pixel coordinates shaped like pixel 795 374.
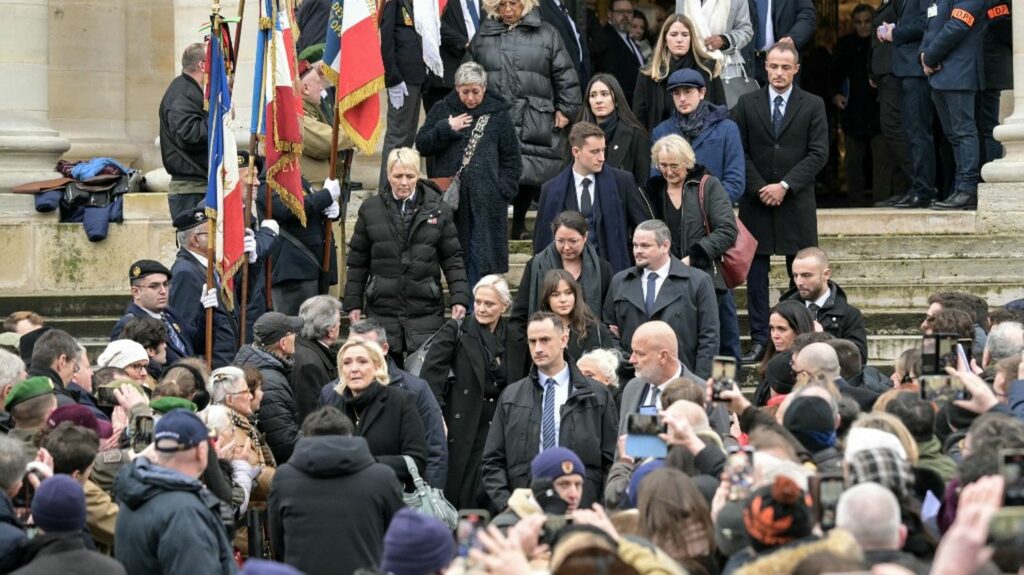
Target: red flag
pixel 282 136
pixel 363 78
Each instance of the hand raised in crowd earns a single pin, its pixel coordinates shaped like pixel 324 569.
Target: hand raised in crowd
pixel 736 402
pixel 40 468
pixel 500 555
pixel 621 450
pixel 527 532
pixel 772 194
pixel 596 517
pixel 982 398
pixel 680 432
pixel 458 311
pixel 128 396
pixel 963 548
pixel 561 120
pixel 460 122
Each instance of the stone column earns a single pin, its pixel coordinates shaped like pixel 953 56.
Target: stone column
pixel 87 77
pixel 29 146
pixel 1000 205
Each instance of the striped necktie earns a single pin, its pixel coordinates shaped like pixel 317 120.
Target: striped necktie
pixel 547 421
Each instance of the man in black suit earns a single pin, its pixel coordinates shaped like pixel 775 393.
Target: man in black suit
pixel 405 74
pixel 573 34
pixel 785 140
pixel 459 23
pixel 792 21
pixel 622 57
pixel 189 286
pixel 608 197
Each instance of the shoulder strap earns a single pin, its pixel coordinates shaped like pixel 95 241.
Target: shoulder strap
pixel 410 464
pixel 700 202
pixel 474 139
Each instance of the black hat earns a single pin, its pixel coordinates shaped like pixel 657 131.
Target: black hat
pixel 779 373
pixel 272 326
pixel 143 268
pixel 190 219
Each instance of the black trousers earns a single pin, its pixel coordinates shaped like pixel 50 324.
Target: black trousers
pixel 892 169
pixel 757 296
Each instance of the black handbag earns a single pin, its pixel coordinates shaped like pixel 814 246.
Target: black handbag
pixel 736 87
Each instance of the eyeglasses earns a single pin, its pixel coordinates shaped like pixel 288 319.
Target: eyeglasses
pixel 242 392
pixel 137 367
pixel 669 167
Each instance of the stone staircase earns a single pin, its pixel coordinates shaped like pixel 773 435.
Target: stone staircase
pixel 887 261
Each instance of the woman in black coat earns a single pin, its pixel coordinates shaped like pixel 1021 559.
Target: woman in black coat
pixel 491 179
pixel 385 417
pixel 404 237
pixel 466 368
pixel 627 144
pixel 678 47
pixel 675 197
pixel 527 63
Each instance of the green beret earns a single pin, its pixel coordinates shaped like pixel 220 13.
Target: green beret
pixel 313 53
pixel 167 403
pixel 26 390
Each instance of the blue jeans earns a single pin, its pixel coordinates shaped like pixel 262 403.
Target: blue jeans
pixel 916 119
pixel 728 326
pixel 956 113
pixel 986 112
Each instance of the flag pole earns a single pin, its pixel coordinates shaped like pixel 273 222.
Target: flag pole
pixel 253 177
pixel 211 226
pixel 234 53
pixel 325 263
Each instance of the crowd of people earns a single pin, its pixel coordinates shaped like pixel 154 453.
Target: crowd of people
pixel 435 419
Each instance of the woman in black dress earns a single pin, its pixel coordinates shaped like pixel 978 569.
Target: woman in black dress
pixel 466 369
pixel 627 144
pixel 562 295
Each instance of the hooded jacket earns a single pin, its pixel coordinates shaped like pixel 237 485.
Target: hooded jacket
pixel 838 318
pixel 330 477
pixel 277 420
pixel 156 502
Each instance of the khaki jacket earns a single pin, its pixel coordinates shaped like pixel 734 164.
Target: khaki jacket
pixel 316 144
pixel 100 516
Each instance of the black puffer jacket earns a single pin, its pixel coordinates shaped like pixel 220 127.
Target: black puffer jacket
pixel 691 240
pixel 277 420
pixel 530 67
pixel 395 276
pixel 183 130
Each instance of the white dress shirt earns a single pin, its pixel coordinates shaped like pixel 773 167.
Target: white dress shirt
pixel 632 46
pixel 578 182
pixel 661 388
pixel 785 99
pixel 572 23
pixel 470 28
pixel 562 386
pixel 662 274
pixel 769 29
pixel 821 300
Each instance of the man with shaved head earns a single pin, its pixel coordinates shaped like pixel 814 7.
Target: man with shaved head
pixel 825 299
pixel 819 360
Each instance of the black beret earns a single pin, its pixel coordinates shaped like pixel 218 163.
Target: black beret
pixel 143 268
pixel 190 219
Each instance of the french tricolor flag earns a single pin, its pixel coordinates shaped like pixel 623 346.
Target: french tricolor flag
pixel 282 135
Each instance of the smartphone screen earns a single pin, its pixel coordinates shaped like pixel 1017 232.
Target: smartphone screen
pixel 642 436
pixel 739 469
pixel 638 424
pixel 1012 468
pixel 471 521
pixel 830 487
pixel 142 433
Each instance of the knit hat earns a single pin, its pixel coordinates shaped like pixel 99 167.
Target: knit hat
pixel 264 567
pixel 777 514
pixel 416 545
pixel 81 416
pixel 555 463
pixel 633 490
pixel 28 389
pixel 272 326
pixel 810 420
pixel 864 438
pixel 164 404
pixel 883 466
pixel 59 505
pixel 779 373
pixel 122 353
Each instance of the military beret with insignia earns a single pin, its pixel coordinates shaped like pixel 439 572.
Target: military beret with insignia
pixel 143 268
pixel 190 219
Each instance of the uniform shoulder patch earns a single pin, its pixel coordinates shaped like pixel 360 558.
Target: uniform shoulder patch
pixel 112 456
pixel 963 16
pixel 997 11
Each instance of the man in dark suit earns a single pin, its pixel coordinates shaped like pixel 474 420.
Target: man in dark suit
pixel 459 23
pixel 622 57
pixel 951 56
pixel 609 198
pixel 785 141
pixel 573 34
pixel 189 286
pixel 405 74
pixel 662 287
pixel 150 282
pixel 792 21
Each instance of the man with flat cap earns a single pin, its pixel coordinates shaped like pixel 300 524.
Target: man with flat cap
pixel 189 289
pixel 151 287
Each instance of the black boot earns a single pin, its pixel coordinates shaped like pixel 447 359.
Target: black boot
pixel 961 200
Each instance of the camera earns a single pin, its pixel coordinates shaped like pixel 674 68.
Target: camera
pixel 723 376
pixel 938 351
pixel 105 396
pixel 826 491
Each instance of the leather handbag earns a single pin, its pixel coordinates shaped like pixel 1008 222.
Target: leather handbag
pixel 429 500
pixel 737 86
pixel 450 186
pixel 414 363
pixel 735 262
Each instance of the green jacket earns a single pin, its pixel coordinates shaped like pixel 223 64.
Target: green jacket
pixel 930 456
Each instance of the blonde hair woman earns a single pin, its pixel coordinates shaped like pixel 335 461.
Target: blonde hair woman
pixel 404 238
pixel 677 48
pixel 386 417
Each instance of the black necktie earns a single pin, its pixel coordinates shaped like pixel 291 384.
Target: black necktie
pixel 777 116
pixel 814 308
pixel 586 203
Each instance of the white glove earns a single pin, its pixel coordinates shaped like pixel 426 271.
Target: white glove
pixel 271 225
pixel 397 94
pixel 208 297
pixel 332 211
pixel 334 187
pixel 249 245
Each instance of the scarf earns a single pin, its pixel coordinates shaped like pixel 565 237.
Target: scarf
pixel 693 124
pixel 358 405
pixel 608 125
pixel 709 18
pixel 590 276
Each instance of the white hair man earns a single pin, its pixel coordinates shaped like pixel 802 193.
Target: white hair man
pixel 871 513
